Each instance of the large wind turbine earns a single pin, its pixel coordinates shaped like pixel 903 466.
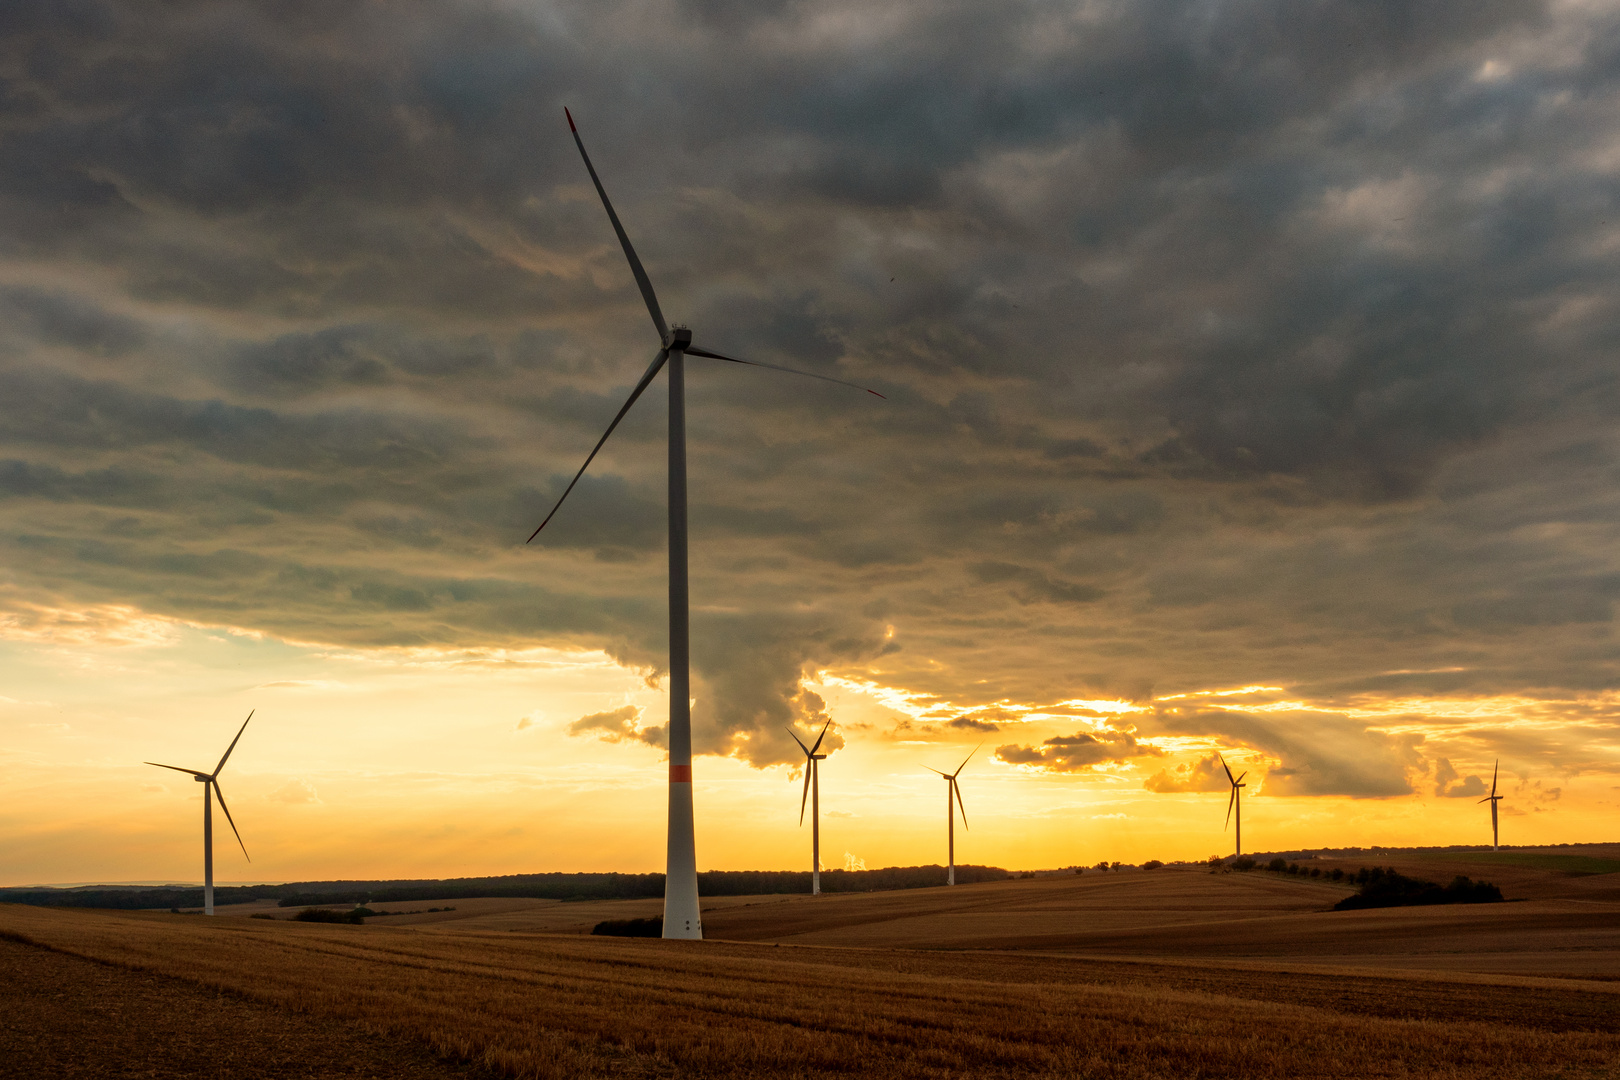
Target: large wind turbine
pixel 1236 801
pixel 210 783
pixel 951 788
pixel 812 790
pixel 682 918
pixel 1493 798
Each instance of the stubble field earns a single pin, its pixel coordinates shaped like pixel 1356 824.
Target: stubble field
pixel 1168 974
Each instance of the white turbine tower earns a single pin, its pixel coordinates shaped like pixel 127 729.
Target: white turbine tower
pixel 682 918
pixel 812 791
pixel 952 789
pixel 1493 798
pixel 210 783
pixel 1236 801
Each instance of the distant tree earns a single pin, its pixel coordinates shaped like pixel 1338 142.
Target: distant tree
pixel 1152 864
pixel 1103 865
pixel 1079 870
pixel 1116 865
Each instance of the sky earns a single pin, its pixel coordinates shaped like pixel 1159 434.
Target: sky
pixel 1250 389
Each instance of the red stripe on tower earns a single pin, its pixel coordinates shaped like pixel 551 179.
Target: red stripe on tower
pixel 680 774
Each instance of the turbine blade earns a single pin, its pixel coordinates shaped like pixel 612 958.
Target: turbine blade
pixel 1227 767
pixel 958 789
pixel 965 760
pixel 231 747
pixel 808 765
pixel 646 379
pixel 776 367
pixel 1495 767
pixel 228 817
pixel 1229 803
pixel 931 769
pixel 795 734
pixel 1486 799
pixel 823 735
pixel 624 241
pixel 1239 781
pixel 177 768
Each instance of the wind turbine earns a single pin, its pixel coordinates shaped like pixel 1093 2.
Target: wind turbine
pixel 812 790
pixel 1493 798
pixel 952 788
pixel 210 782
pixel 682 918
pixel 1236 801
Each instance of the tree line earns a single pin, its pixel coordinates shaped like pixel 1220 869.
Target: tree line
pixel 556 886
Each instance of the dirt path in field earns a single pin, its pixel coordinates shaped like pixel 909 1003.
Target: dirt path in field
pixel 68 1017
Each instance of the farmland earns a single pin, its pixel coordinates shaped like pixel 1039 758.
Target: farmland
pixel 1134 974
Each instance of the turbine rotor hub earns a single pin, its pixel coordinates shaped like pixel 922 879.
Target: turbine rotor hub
pixel 200 779
pixel 679 337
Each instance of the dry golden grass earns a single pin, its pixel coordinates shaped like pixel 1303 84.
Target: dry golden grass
pixel 530 1005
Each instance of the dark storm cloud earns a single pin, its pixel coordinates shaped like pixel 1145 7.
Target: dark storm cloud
pixel 1223 343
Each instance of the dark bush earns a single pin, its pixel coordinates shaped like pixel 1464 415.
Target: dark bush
pixel 1386 888
pixel 1079 870
pixel 262 915
pixel 653 927
pixel 1244 863
pixel 1103 865
pixel 1316 871
pixel 1278 865
pixel 1152 864
pixel 1337 874
pixel 311 914
pixel 1117 865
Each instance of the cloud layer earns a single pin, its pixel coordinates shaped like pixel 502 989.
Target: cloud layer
pixel 1263 341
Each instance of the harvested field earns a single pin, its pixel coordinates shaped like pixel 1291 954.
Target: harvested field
pixel 525 1004
pixel 70 1017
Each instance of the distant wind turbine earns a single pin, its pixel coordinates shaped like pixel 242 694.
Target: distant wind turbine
pixel 210 782
pixel 812 790
pixel 952 788
pixel 1493 798
pixel 1236 801
pixel 682 918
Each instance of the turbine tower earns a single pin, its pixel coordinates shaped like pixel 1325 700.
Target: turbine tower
pixel 812 791
pixel 682 918
pixel 1493 798
pixel 952 788
pixel 1236 801
pixel 210 783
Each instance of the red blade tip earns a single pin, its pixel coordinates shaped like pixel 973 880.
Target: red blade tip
pixel 570 116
